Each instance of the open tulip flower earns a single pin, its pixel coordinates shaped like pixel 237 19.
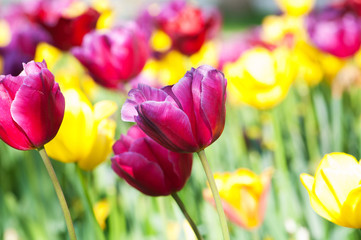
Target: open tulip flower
pixel 31 106
pixel 335 191
pixel 86 134
pixel 148 166
pixel 185 117
pixel 113 56
pixel 244 196
pixel 261 77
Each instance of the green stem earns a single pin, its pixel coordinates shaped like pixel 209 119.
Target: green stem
pixel 59 193
pixel 186 215
pixel 99 231
pixel 216 197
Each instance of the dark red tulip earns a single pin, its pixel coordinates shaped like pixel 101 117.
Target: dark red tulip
pixel 68 32
pixel 185 117
pixel 149 167
pixel 32 107
pixel 114 56
pixel 335 30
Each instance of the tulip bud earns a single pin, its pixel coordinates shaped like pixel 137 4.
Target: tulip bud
pixel 149 167
pixel 244 196
pixel 335 31
pixel 32 107
pixel 335 191
pixel 185 117
pixel 113 56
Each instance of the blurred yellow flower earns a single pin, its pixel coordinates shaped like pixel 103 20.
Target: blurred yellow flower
pixel 172 67
pixel 261 77
pixel 276 28
pixel 296 7
pixel 5 33
pixel 314 65
pixel 244 196
pixel 101 211
pixel 86 134
pixel 335 191
pixel 107 16
pixel 160 41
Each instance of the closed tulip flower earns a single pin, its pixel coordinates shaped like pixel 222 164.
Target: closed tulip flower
pixel 244 196
pixel 335 30
pixel 113 56
pixel 261 77
pixel 31 106
pixel 335 190
pixel 86 134
pixel 185 117
pixel 148 166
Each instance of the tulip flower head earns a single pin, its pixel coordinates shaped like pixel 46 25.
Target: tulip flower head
pixel 261 77
pixel 335 31
pixel 31 106
pixel 113 56
pixel 185 117
pixel 296 7
pixel 86 134
pixel 335 190
pixel 244 196
pixel 148 166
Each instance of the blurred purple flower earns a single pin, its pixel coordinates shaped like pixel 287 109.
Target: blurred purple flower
pixel 335 30
pixel 113 56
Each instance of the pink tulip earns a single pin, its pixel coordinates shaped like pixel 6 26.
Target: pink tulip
pixel 114 56
pixel 149 167
pixel 185 117
pixel 335 30
pixel 32 107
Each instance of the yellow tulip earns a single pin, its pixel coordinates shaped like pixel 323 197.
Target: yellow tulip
pixel 243 194
pixel 313 65
pixel 296 7
pixel 335 191
pixel 101 211
pixel 260 77
pixel 86 134
pixel 107 15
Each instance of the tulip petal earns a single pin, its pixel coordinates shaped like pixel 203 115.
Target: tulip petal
pixel 187 94
pixel 104 109
pixel 144 175
pixel 351 209
pixel 167 124
pixel 77 132
pixel 10 132
pixel 137 96
pixel 308 182
pixel 342 180
pixel 213 98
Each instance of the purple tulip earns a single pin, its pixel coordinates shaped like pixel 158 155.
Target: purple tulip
pixel 31 106
pixel 185 117
pixel 335 30
pixel 114 56
pixel 149 167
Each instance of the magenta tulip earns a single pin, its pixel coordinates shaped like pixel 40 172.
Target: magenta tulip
pixel 185 117
pixel 149 167
pixel 335 30
pixel 32 107
pixel 114 56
